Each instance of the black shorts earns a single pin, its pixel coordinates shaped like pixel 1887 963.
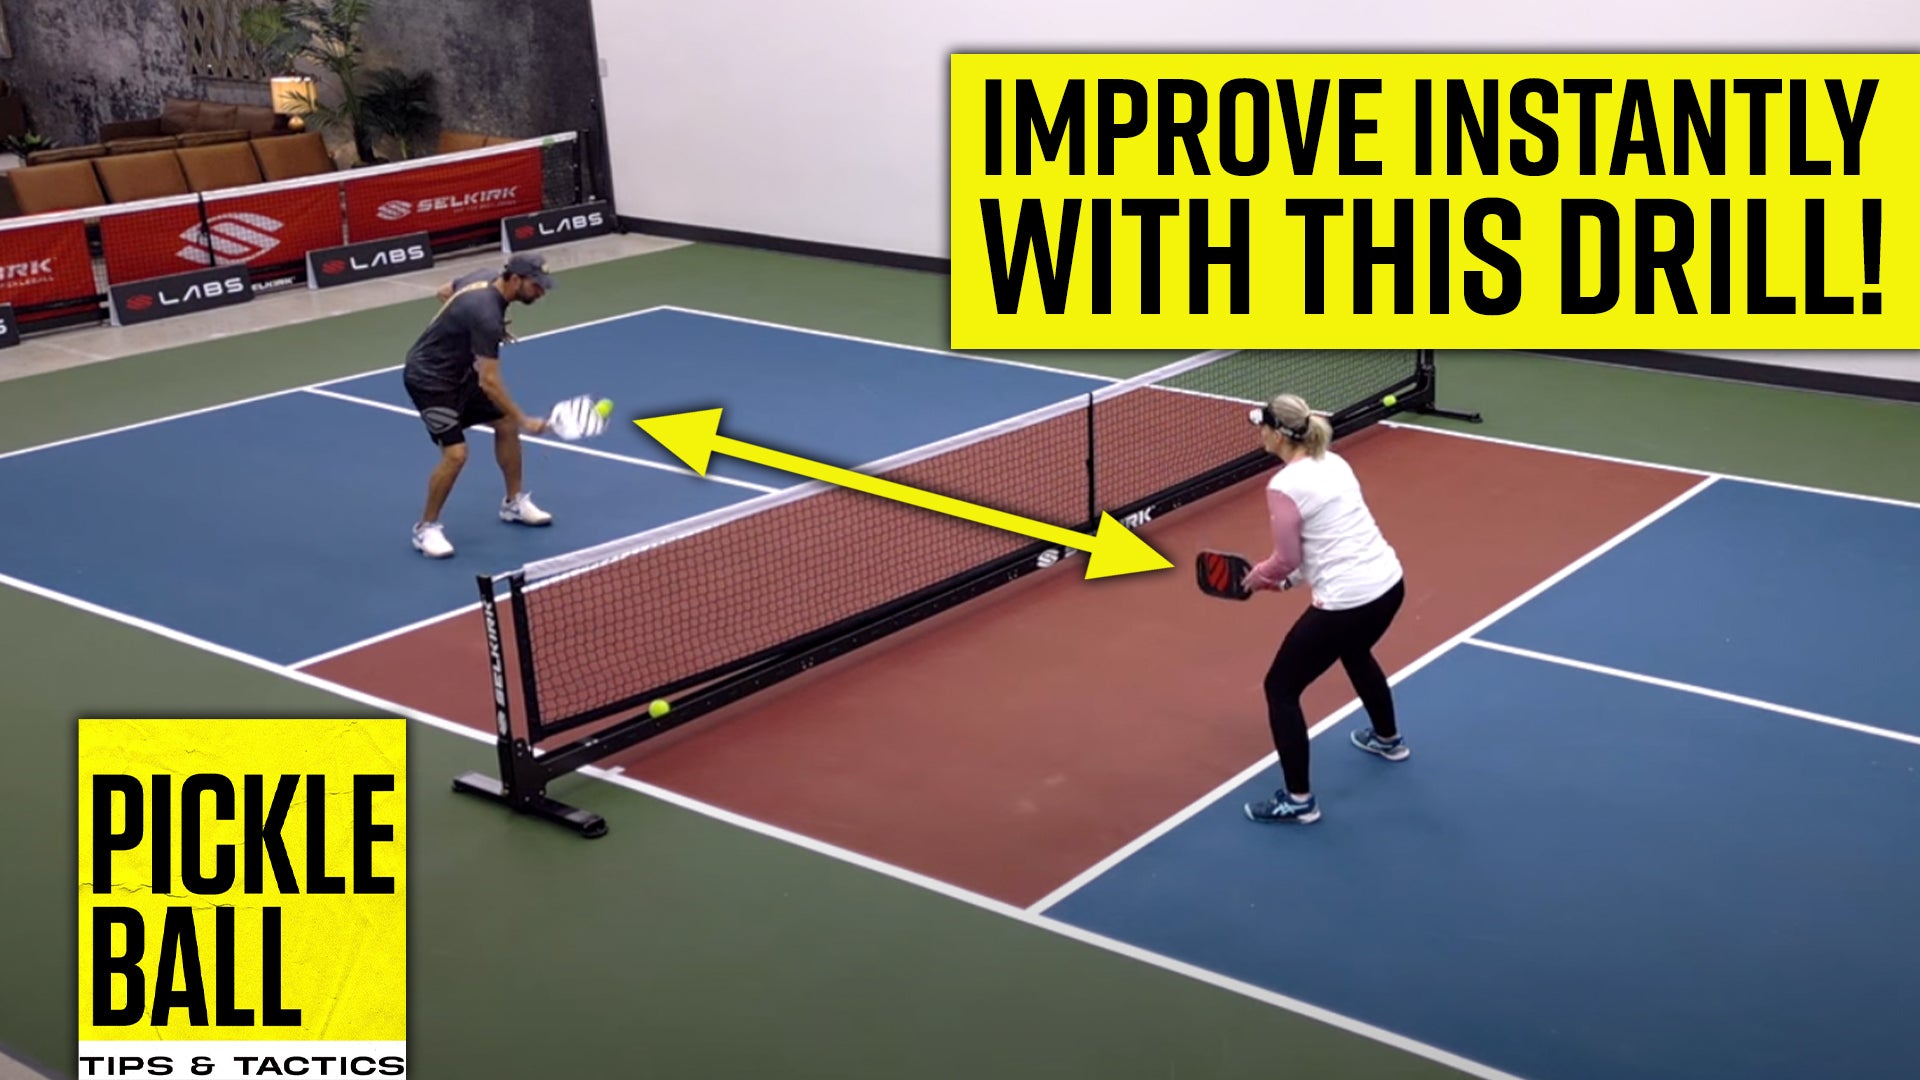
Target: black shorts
pixel 449 413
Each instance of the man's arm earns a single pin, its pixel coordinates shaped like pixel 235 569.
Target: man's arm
pixel 495 388
pixel 465 281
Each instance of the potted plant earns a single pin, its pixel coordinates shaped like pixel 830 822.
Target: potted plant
pixel 327 37
pixel 15 148
pixel 399 105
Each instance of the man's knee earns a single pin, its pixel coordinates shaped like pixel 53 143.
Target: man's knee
pixel 453 455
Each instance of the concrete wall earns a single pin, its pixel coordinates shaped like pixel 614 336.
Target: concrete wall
pixel 79 62
pixel 502 66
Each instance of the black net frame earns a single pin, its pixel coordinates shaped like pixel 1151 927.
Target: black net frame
pixel 532 750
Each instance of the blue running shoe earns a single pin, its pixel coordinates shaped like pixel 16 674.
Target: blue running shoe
pixel 1282 809
pixel 1394 749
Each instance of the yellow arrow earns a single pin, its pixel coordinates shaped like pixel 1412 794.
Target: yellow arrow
pixel 694 437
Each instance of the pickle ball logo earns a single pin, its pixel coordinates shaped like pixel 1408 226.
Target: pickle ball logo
pixel 242 898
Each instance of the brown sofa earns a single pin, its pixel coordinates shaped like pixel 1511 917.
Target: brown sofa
pixel 63 185
pixel 139 144
pixel 107 178
pixel 182 116
pixel 452 142
pixel 182 123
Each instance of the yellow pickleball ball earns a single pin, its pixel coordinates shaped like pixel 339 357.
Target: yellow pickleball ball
pixel 603 407
pixel 658 709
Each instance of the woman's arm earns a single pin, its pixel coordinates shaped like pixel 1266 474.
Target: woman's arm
pixel 1277 569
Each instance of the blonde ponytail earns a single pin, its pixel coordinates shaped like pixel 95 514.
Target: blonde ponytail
pixel 1294 415
pixel 1319 435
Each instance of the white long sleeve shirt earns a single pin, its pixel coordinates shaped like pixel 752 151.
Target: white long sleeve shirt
pixel 1325 536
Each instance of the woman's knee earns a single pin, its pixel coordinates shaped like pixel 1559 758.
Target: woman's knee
pixel 1285 681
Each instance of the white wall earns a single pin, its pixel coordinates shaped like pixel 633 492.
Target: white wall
pixel 1890 364
pixel 826 120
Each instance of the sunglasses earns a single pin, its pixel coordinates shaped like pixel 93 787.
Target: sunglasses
pixel 1264 417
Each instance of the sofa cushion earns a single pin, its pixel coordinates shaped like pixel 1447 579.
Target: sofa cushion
pixel 207 138
pixel 216 117
pixel 65 153
pixel 130 177
pixel 178 115
pixel 141 145
pixel 283 157
pixel 64 185
pixel 452 142
pixel 219 165
pixel 256 119
pixel 129 129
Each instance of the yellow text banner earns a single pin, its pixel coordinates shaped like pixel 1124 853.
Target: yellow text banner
pixel 1435 201
pixel 241 880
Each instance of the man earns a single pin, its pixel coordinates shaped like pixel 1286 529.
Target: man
pixel 452 374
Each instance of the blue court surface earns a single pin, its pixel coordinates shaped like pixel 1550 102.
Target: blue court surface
pixel 280 526
pixel 1660 821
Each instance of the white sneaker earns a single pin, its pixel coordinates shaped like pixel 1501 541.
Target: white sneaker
pixel 523 511
pixel 431 540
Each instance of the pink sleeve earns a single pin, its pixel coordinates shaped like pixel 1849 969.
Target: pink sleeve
pixel 1283 514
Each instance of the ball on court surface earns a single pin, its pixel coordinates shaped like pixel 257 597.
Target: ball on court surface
pixel 1390 400
pixel 658 708
pixel 603 407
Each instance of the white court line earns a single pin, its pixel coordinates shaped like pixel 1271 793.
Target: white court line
pixel 388 635
pixel 898 873
pixel 235 655
pixel 1087 876
pixel 927 349
pixel 149 423
pixel 236 403
pixel 677 470
pixel 1884 500
pixel 1689 688
pixel 1398 425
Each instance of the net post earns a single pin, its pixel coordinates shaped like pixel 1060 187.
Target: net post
pixel 579 194
pixel 206 228
pixel 505 789
pixel 523 638
pixel 520 786
pixel 1429 379
pixel 497 662
pixel 1093 484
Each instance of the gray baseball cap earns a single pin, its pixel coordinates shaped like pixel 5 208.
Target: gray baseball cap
pixel 532 267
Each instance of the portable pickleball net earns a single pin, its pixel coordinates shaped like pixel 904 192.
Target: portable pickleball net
pixel 706 611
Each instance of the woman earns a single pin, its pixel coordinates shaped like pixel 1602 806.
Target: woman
pixel 1325 537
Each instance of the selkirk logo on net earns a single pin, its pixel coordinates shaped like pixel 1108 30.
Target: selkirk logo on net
pixel 236 237
pixel 26 273
pixel 396 209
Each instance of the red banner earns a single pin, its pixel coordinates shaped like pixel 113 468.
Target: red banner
pixel 272 229
pixel 275 228
pixel 150 243
pixel 433 198
pixel 45 263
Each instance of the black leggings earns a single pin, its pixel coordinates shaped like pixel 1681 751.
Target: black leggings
pixel 1310 648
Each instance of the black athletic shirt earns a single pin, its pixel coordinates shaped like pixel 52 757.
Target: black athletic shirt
pixel 471 325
